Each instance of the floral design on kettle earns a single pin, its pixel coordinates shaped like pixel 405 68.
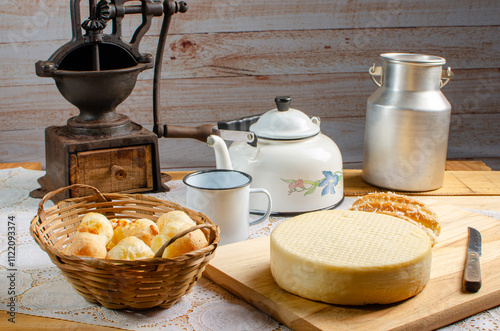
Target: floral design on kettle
pixel 329 182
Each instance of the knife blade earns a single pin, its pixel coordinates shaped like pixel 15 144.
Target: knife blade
pixel 472 271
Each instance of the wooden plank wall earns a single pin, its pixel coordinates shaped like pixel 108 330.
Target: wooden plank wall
pixel 230 58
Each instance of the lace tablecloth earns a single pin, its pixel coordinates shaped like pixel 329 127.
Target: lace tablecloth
pixel 41 290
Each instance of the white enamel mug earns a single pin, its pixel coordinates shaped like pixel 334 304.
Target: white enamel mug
pixel 224 196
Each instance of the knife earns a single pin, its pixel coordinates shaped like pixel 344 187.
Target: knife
pixel 472 271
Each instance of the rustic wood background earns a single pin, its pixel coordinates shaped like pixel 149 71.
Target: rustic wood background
pixel 230 58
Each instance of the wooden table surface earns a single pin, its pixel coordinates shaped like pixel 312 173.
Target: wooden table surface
pixel 25 165
pixel 451 165
pixel 29 322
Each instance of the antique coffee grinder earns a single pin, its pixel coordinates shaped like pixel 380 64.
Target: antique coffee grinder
pixel 96 71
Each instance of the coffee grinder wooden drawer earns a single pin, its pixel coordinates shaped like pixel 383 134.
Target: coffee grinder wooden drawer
pixel 124 170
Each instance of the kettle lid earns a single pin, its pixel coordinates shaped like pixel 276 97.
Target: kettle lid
pixel 284 123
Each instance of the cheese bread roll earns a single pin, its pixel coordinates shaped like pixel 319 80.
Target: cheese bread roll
pixel 98 224
pixel 143 229
pixel 172 223
pixel 87 244
pixel 130 248
pixel 175 216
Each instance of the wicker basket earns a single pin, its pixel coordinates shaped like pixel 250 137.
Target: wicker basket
pixel 118 284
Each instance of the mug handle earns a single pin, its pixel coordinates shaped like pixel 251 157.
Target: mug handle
pixel 269 205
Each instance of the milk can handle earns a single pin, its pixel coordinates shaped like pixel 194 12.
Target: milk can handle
pixel 376 71
pixel 446 75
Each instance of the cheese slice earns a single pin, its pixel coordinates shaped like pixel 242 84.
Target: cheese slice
pixel 350 257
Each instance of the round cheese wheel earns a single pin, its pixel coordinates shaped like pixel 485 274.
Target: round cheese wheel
pixel 350 257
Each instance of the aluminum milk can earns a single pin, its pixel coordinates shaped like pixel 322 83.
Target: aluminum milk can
pixel 407 123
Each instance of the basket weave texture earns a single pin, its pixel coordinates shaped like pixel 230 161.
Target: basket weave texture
pixel 120 284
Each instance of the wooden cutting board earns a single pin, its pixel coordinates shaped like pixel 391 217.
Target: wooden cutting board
pixel 243 269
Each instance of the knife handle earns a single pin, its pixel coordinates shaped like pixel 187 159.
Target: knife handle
pixel 472 272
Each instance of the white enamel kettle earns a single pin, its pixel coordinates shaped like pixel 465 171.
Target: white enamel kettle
pixel 292 159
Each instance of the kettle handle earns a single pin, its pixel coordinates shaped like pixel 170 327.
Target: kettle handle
pixel 446 75
pixel 376 71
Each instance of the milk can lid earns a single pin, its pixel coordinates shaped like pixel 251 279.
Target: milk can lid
pixel 413 58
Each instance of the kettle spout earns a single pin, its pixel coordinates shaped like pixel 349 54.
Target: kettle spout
pixel 222 160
